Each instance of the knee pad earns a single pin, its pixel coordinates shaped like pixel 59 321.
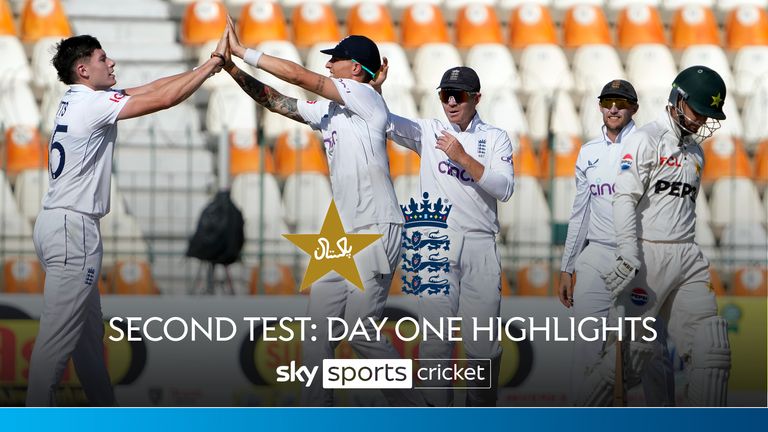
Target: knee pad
pixel 709 364
pixel 600 380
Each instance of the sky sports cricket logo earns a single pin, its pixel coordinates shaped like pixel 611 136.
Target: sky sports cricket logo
pixel 387 373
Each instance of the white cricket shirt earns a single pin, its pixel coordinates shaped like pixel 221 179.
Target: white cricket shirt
pixel 592 212
pixel 80 150
pixel 656 188
pixel 473 203
pixel 354 136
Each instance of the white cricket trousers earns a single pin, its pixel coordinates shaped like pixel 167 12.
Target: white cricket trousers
pixel 592 299
pixel 334 296
pixel 475 293
pixel 673 284
pixel 68 245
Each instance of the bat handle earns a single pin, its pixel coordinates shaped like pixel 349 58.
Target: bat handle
pixel 619 393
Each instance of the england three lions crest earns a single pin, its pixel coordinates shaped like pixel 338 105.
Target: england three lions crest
pixel 424 243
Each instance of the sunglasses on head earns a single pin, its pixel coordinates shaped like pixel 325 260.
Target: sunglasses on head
pixel 608 103
pixel 460 96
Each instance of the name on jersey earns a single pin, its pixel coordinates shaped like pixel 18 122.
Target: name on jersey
pixel 676 189
pixel 601 189
pixel 62 109
pixel 447 168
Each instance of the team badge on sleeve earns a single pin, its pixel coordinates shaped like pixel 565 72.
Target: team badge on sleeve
pixel 626 162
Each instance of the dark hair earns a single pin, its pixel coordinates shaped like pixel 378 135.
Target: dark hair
pixel 69 51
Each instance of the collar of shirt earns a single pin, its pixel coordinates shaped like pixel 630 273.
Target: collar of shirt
pixel 665 119
pixel 80 88
pixel 473 125
pixel 628 129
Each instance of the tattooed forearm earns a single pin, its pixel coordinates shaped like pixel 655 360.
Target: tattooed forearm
pixel 319 85
pixel 268 97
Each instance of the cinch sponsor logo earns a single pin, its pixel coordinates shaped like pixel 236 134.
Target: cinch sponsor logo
pixel 626 161
pixel 639 296
pixel 601 189
pixel 448 168
pixel 677 189
pixel 330 143
pixel 670 161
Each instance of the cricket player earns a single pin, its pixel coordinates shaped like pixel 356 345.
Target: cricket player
pixel 66 235
pixel 659 270
pixel 590 245
pixel 468 164
pixel 353 121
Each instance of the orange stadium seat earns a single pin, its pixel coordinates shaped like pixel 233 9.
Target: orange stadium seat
pixel 314 23
pixel 402 161
pixel 372 20
pixel 694 25
pixel 716 283
pixel 396 287
pixel 203 21
pixel 534 280
pixel 131 277
pixel 751 281
pixel 725 156
pixel 761 163
pixel 245 154
pixel 525 160
pixel 506 290
pixel 277 279
pixel 43 18
pixel 24 149
pixel 299 150
pixel 423 23
pixel 261 21
pixel 639 24
pixel 746 25
pixel 477 24
pixel 23 276
pixel 531 24
pixel 7 27
pixel 566 152
pixel 585 25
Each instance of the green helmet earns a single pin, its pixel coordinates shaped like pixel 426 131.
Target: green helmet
pixel 702 89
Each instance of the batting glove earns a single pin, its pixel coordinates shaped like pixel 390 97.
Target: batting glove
pixel 618 278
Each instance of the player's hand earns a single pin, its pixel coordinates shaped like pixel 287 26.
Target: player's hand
pixel 234 42
pixel 380 77
pixel 565 290
pixel 618 278
pixel 221 53
pixel 451 146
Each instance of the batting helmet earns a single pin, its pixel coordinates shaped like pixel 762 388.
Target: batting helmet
pixel 702 89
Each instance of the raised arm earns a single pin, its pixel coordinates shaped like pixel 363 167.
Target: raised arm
pixel 170 91
pixel 286 70
pixel 265 95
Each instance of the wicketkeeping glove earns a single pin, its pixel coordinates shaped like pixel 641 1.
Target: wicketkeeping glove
pixel 618 278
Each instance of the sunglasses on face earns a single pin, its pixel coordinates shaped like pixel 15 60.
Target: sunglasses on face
pixel 608 103
pixel 460 96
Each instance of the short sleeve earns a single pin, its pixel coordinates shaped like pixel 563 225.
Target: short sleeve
pixel 104 107
pixel 360 98
pixel 313 111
